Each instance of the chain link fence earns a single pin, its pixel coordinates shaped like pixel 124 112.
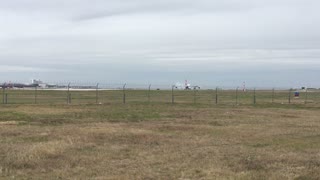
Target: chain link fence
pixel 97 93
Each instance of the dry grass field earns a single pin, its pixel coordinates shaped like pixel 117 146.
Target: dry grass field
pixel 159 141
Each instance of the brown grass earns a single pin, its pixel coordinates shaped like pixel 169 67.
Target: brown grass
pixel 159 141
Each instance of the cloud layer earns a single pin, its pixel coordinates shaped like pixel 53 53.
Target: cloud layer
pixel 208 41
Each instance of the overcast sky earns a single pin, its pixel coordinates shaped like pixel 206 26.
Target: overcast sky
pixel 267 43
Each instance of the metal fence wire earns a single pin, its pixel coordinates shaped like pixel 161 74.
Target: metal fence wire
pixel 73 93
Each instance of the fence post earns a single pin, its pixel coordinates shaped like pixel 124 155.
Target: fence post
pixel 237 95
pixel 306 98
pixel 289 97
pixel 124 93
pixel 68 94
pixel 149 93
pixel 254 96
pixel 70 98
pixel 195 96
pixel 3 93
pixel 172 95
pixel 35 94
pixel 97 93
pixel 216 95
pixel 272 101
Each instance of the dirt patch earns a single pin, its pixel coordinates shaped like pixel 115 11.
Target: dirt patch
pixel 11 123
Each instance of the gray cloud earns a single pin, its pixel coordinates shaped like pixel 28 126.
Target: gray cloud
pixel 182 37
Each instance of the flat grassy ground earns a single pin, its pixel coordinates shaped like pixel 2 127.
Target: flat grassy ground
pixel 159 141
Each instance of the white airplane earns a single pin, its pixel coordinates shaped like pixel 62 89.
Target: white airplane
pixel 186 86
